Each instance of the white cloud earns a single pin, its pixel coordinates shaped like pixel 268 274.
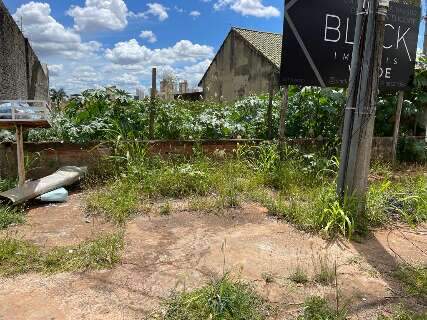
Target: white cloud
pixel 55 69
pixel 100 14
pixel 248 8
pixel 48 37
pixel 149 36
pixel 157 10
pixel 195 13
pixel 130 52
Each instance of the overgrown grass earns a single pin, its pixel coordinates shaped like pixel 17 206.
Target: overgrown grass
pixel 299 188
pixel 7 184
pixel 405 200
pixel 316 308
pixel 18 256
pixel 10 216
pixel 223 299
pixel 117 201
pixel 404 314
pixel 414 280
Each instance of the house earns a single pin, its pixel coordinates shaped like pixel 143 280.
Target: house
pixel 248 62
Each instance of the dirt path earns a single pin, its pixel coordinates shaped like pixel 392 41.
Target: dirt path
pixel 183 250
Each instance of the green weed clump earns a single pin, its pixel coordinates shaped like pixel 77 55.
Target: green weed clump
pixel 403 314
pixel 223 299
pixel 299 276
pixel 18 256
pixel 405 200
pixel 117 202
pixel 10 216
pixel 7 184
pixel 317 308
pixel 414 280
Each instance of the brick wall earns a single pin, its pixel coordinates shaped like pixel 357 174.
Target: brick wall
pixel 21 73
pixel 46 158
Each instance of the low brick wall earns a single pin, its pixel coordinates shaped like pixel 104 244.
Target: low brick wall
pixel 46 158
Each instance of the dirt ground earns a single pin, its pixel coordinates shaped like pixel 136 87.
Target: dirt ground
pixel 183 250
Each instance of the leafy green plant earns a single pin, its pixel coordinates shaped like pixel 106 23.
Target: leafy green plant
pixel 338 218
pixel 223 299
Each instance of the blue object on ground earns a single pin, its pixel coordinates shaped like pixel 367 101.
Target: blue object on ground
pixel 58 195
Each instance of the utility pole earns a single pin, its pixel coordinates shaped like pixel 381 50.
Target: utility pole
pixel 361 105
pixel 152 103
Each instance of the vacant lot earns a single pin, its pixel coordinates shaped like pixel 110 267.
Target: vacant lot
pixel 184 249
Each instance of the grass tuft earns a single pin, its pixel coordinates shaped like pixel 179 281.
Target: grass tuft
pixel 414 280
pixel 18 256
pixel 317 308
pixel 403 314
pixel 299 276
pixel 223 299
pixel 325 272
pixel 118 201
pixel 10 216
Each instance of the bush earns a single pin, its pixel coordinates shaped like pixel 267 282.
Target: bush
pixel 412 150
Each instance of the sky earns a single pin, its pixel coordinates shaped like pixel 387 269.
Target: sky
pixel 95 43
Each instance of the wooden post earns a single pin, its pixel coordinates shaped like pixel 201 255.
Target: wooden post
pixel 270 109
pixel 397 124
pixel 20 154
pixel 282 123
pixel 153 103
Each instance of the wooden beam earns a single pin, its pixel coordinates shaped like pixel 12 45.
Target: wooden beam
pixel 20 154
pixel 397 124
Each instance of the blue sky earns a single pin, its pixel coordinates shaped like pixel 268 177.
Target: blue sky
pixel 90 43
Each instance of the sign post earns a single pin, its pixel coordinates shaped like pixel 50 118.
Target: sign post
pixel 342 44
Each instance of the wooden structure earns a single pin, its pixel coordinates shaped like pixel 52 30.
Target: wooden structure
pixel 21 115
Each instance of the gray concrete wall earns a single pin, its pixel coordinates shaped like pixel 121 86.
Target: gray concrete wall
pixel 237 71
pixel 21 73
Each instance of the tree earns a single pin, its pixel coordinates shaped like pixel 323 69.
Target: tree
pixel 57 96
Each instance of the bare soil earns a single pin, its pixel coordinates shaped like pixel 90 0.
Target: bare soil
pixel 184 251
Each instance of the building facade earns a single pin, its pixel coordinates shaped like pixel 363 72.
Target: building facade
pixel 248 62
pixel 22 76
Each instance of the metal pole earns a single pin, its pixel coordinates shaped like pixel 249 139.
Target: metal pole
pixel 153 103
pixel 352 95
pixel 397 124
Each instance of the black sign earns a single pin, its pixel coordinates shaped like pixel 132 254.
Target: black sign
pixel 318 43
